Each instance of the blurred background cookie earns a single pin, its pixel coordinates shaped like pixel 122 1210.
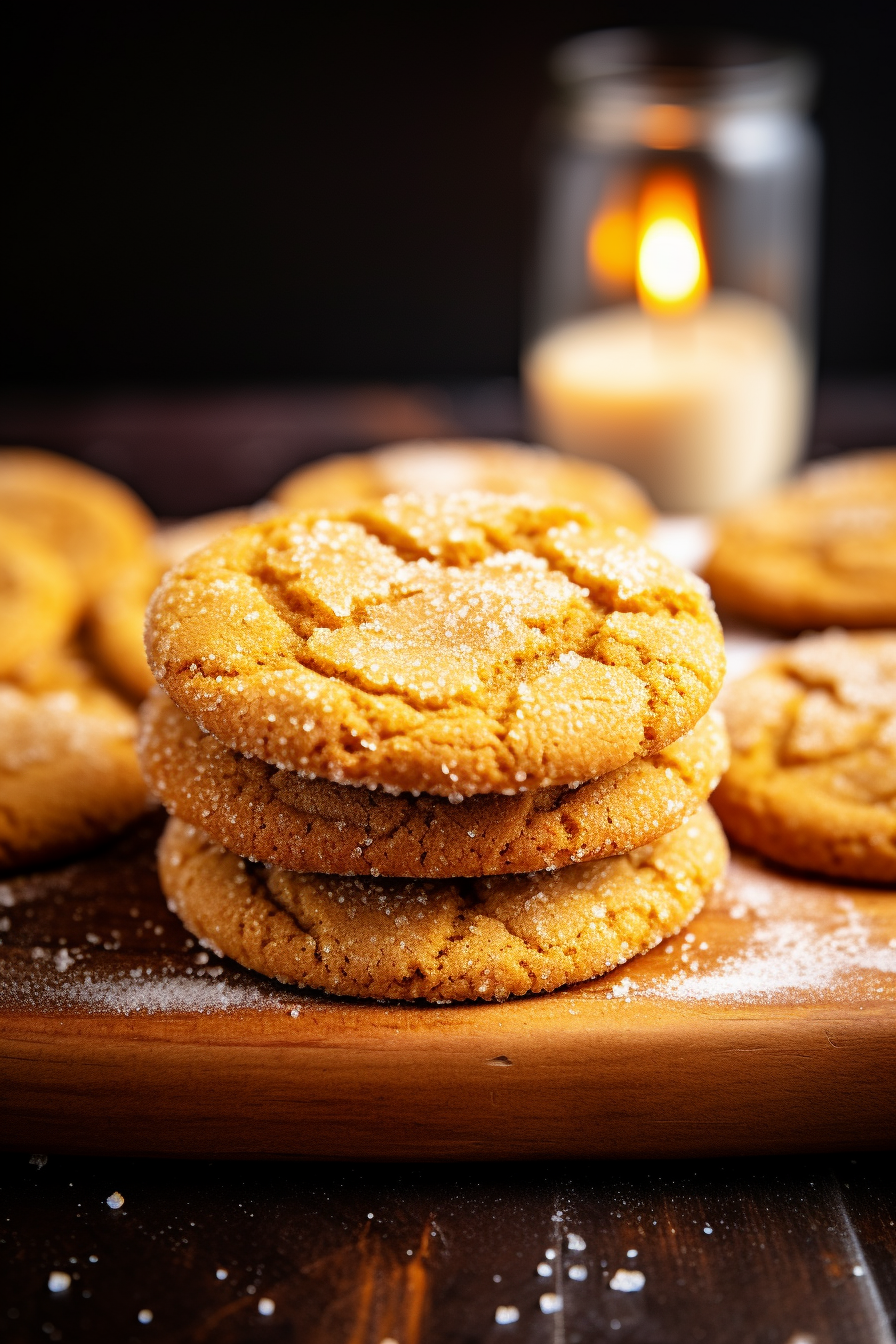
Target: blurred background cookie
pixel 92 522
pixel 69 776
pixel 39 600
pixel 115 626
pixel 812 781
pixel 448 466
pixel 819 551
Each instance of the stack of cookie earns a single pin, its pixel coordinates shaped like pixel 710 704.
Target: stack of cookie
pixel 447 749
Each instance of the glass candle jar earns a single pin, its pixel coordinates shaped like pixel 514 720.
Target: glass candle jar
pixel 671 317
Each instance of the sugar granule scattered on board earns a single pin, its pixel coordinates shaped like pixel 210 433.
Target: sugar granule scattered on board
pixel 578 1273
pixel 266 1306
pixel 627 1281
pixel 544 1270
pixel 550 1303
pixel 631 1254
pixel 506 1315
pixel 801 942
pixel 144 1316
pixel 575 1242
pixel 115 1200
pixel 59 1281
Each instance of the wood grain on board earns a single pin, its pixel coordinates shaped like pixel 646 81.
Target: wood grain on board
pixel 769 1026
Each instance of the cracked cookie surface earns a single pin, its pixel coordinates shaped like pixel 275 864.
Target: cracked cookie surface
pixel 311 825
pixel 459 645
pixel 820 551
pixel 69 776
pixel 447 466
pixel 812 782
pixel 445 941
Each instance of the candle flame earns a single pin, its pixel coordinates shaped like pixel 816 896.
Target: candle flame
pixel 672 273
pixel 650 241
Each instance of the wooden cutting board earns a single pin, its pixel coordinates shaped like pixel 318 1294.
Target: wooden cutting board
pixel 769 1027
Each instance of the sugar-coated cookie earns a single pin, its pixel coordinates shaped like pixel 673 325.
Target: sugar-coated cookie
pixel 69 776
pixel 94 523
pixel 457 645
pixel 819 551
pixel 488 938
pixel 812 781
pixel 39 601
pixel 312 825
pixel 447 467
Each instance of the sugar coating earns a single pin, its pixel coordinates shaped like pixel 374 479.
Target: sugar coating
pixel 444 941
pixel 448 467
pixel 68 769
pixel 460 645
pixel 276 816
pixel 813 777
pixel 820 551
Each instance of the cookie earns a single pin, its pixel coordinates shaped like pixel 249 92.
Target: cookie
pixel 39 602
pixel 69 776
pixel 118 615
pixel 451 466
pixel 445 941
pixel 462 645
pixel 92 522
pixel 820 551
pixel 115 626
pixel 311 825
pixel 812 781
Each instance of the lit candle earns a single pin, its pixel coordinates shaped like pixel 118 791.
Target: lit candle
pixel 701 396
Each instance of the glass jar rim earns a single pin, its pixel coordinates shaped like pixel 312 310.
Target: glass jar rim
pixel 688 66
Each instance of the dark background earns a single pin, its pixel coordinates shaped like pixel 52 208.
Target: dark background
pixel 201 194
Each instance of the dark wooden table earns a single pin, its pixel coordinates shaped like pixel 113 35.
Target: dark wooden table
pixel 759 1251
pixel 778 1251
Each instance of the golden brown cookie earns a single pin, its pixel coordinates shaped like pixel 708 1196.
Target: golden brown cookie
pixel 116 622
pixel 69 776
pixel 444 941
pixel 311 825
pixel 819 551
pixel 447 467
pixel 468 644
pixel 39 602
pixel 94 523
pixel 812 781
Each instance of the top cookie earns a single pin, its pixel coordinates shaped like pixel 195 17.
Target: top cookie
pixel 446 467
pixel 94 523
pixel 469 644
pixel 820 551
pixel 812 781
